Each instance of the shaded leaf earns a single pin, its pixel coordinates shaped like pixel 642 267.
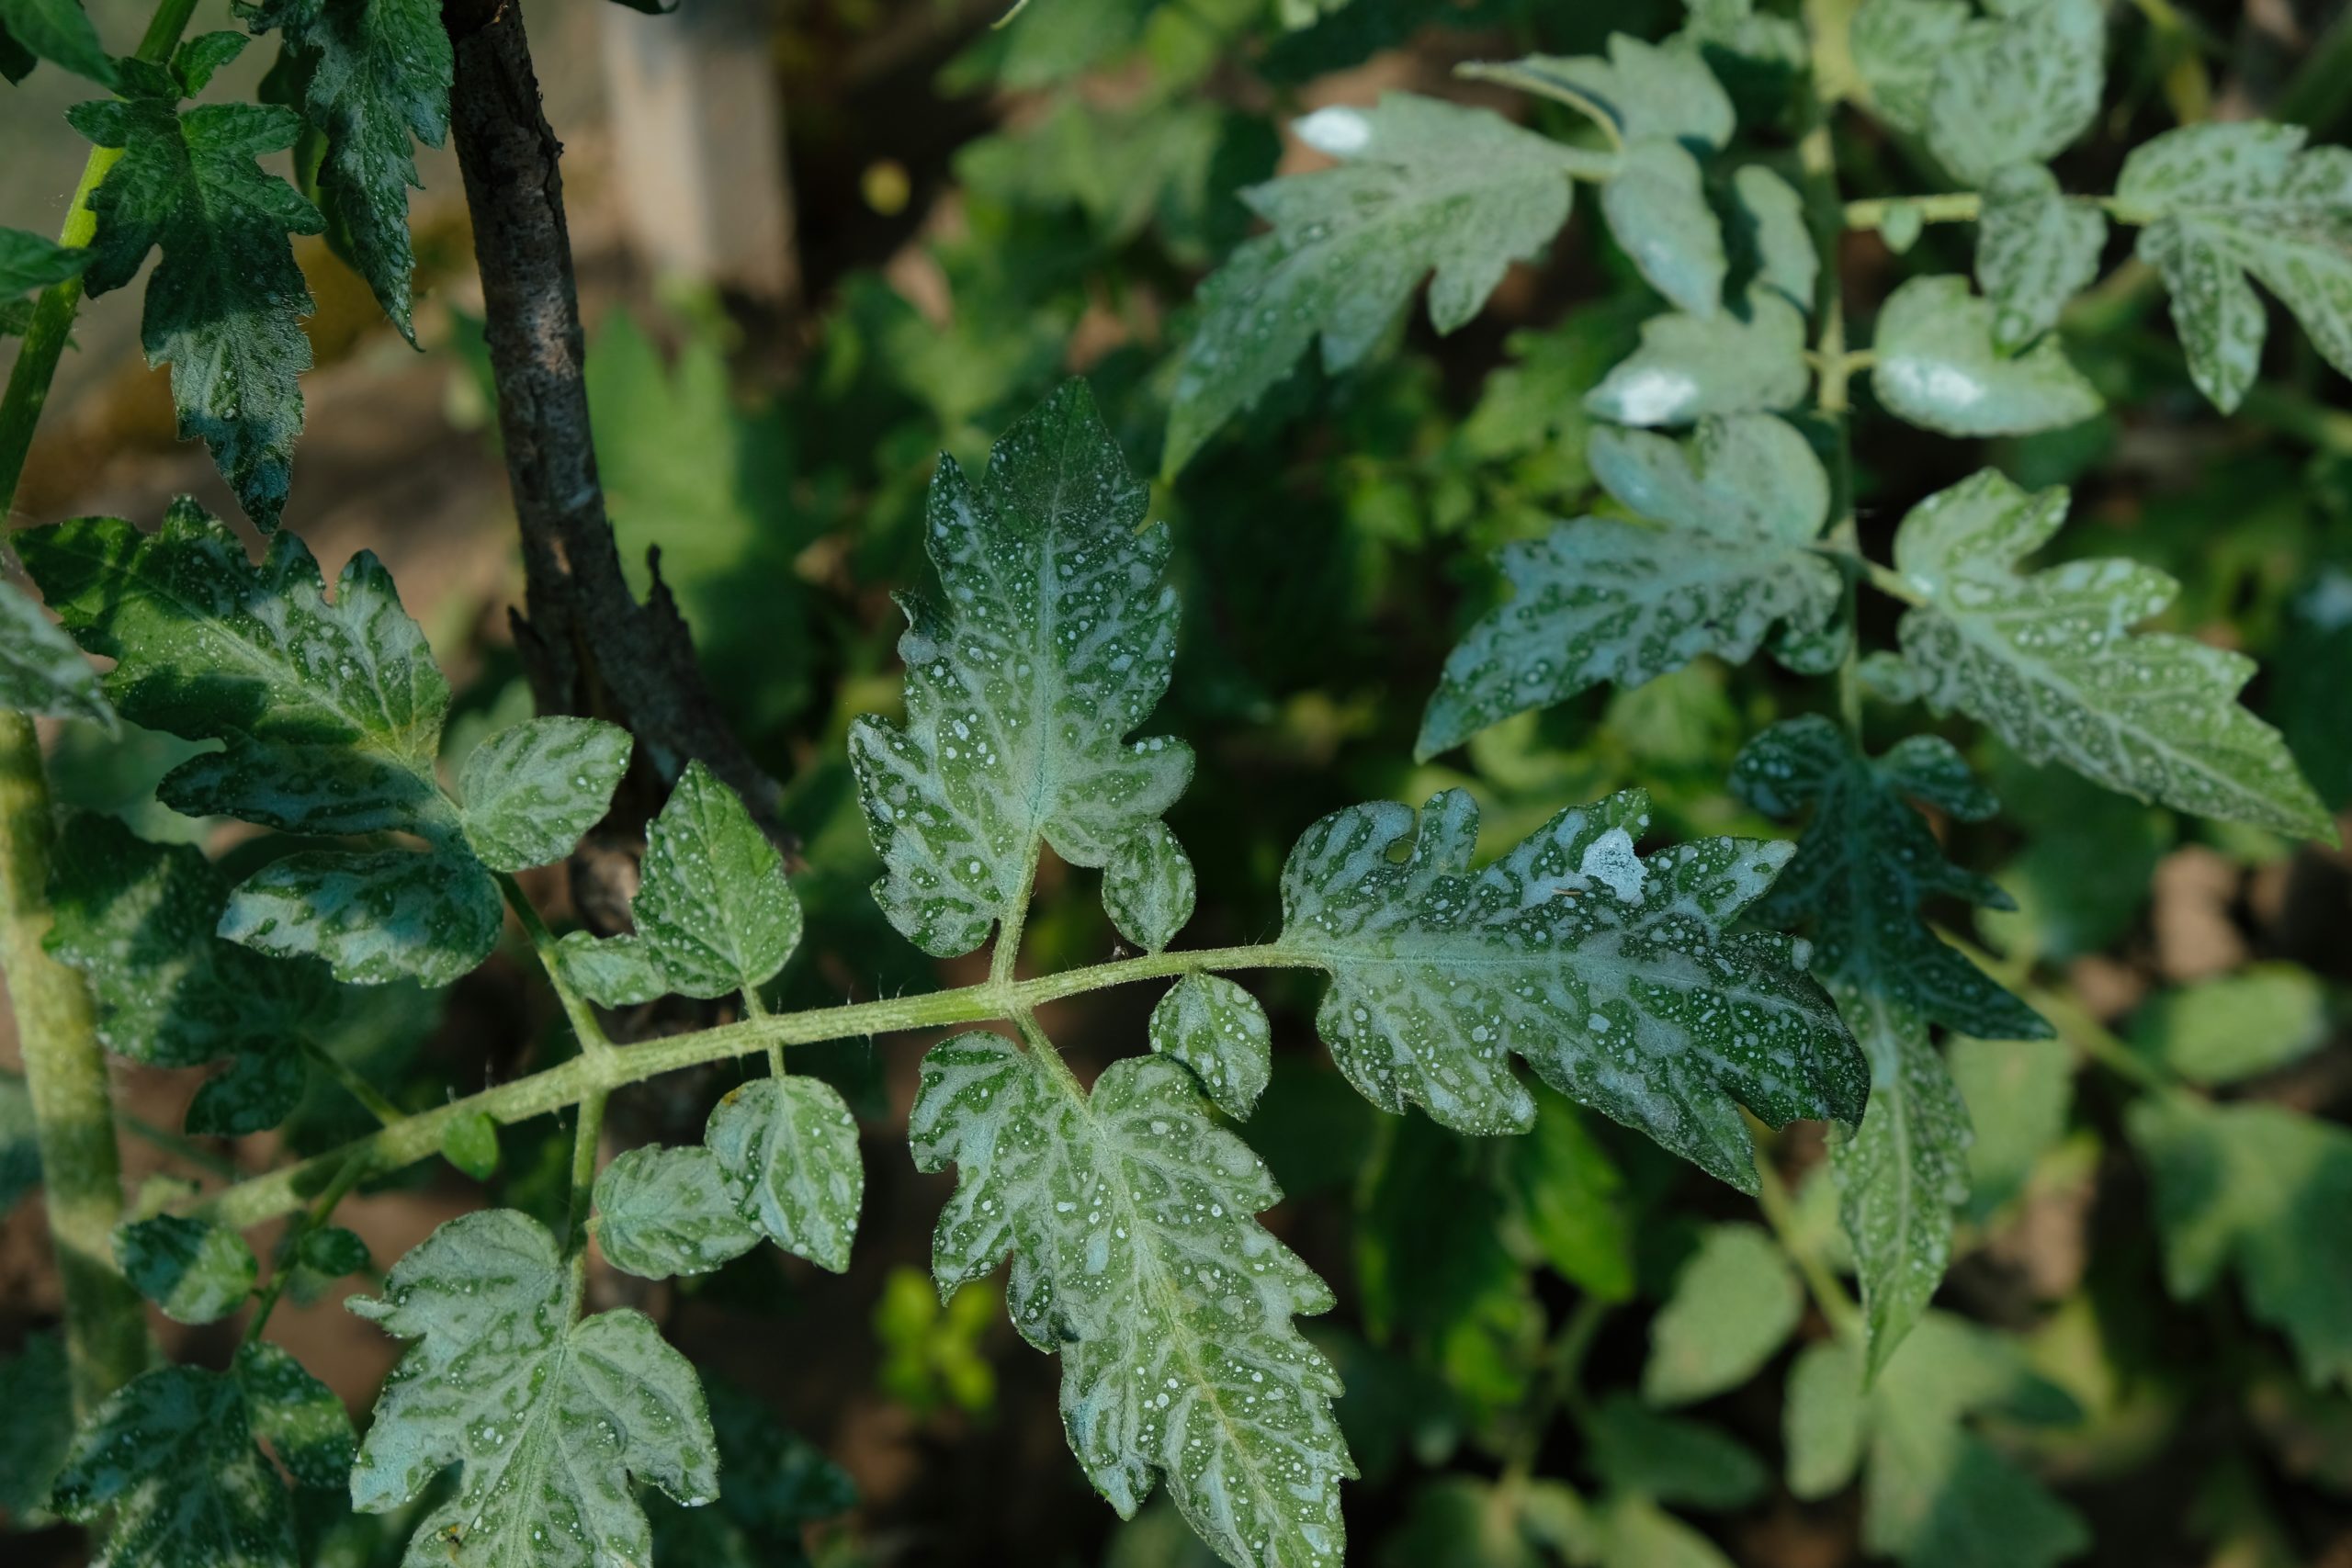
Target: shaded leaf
pixel 1614 975
pixel 28 262
pixel 2235 1026
pixel 1672 1460
pixel 1768 238
pixel 41 673
pixel 37 1390
pixel 59 31
pixel 776 1482
pixel 2018 1092
pixel 224 305
pixel 195 1270
pixel 1571 1200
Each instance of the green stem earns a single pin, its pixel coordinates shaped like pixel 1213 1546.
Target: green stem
pixel 52 322
pixel 587 1135
pixel 318 1214
pixel 1562 1388
pixel 65 1075
pixel 358 1088
pixel 576 1010
pixel 418 1137
pixel 1780 1214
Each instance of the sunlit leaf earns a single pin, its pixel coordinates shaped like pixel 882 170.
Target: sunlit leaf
pixel 1216 1028
pixel 663 1213
pixel 2018 89
pixel 1938 368
pixel 1135 1257
pixel 791 1145
pixel 2050 663
pixel 531 791
pixel 547 1415
pixel 1687 368
pixel 2035 249
pixel 1148 887
pixel 1616 977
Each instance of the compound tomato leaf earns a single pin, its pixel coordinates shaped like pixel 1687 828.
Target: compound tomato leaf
pixel 1425 188
pixel 1744 361
pixel 1216 1028
pixel 665 1212
pixel 546 1415
pixel 2050 662
pixel 532 790
pixel 1136 1255
pixel 138 920
pixel 59 31
pixel 1865 868
pixel 1723 553
pixel 2035 249
pixel 375 78
pixel 225 304
pixel 195 1270
pixel 1619 978
pixel 42 671
pixel 1055 639
pixel 1940 368
pixel 2222 201
pixel 789 1148
pixel 714 912
pixel 171 1456
pixel 1149 886
pixel 2018 89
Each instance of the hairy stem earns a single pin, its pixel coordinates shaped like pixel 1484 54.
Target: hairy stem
pixel 419 1136
pixel 319 1214
pixel 65 1072
pixel 53 322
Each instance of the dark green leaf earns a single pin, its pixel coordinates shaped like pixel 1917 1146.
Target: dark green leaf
pixel 531 791
pixel 195 1270
pixel 28 262
pixel 1216 1028
pixel 59 31
pixel 42 671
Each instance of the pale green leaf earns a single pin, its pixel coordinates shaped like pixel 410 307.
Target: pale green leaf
pixel 714 912
pixel 1634 1533
pixel 2049 661
pixel 1687 368
pixel 2265 1192
pixel 1656 207
pixel 1768 238
pixel 2017 90
pixel 374 918
pixel 1734 1305
pixel 37 1390
pixel 2018 1092
pixel 1721 558
pixel 1570 1200
pixel 42 671
pixel 1054 640
pixel 471 1142
pixel 2035 249
pixel 1822 1421
pixel 1937 1494
pixel 1617 977
pixel 60 33
pixel 547 1415
pixel 195 1270
pixel 2235 1026
pixel 663 1213
pixel 532 790
pixel 1641 92
pixel 1938 367
pixel 223 306
pixel 1149 886
pixel 1426 187
pixel 1216 1028
pixel 171 1459
pixel 791 1144
pixel 1672 1460
pixel 330 714
pixel 1129 1213
pixel 2222 201
pixel 138 919
pixel 373 77
pixel 1900 45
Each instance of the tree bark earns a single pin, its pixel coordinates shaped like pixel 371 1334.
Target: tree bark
pixel 589 646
